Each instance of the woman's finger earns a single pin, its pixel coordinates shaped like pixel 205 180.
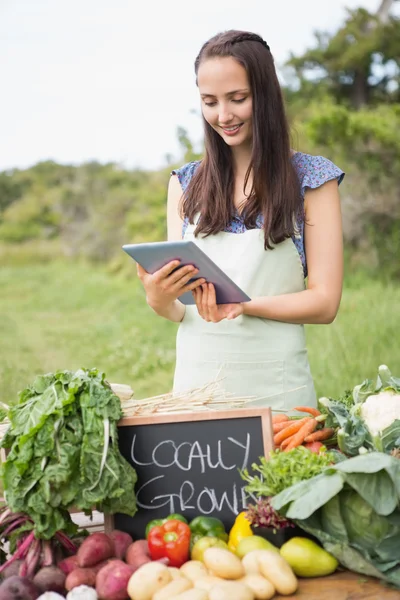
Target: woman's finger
pixel 197 293
pixel 182 275
pixel 205 303
pixel 166 270
pixel 194 285
pixel 140 271
pixel 212 304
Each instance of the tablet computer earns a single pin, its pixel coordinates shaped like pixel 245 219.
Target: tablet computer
pixel 153 256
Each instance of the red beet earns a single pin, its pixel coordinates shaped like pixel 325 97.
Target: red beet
pixel 50 579
pixel 18 588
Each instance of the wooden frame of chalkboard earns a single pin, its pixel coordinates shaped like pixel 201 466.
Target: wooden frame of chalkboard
pixel 190 463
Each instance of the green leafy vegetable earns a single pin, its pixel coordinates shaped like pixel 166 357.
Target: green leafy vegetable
pixel 353 509
pixel 284 469
pixel 63 451
pixel 370 419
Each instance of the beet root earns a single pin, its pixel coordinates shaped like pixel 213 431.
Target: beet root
pixel 112 580
pixel 12 569
pixel 122 541
pixel 18 588
pixel 50 579
pixel 94 549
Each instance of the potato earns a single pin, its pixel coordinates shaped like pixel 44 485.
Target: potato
pixel 230 590
pixel 176 573
pixel 147 580
pixel 112 580
pixel 276 569
pixel 206 583
pixel 68 564
pixel 193 569
pixel 192 595
pixel 250 562
pixel 80 576
pixel 173 588
pixel 137 554
pixel 94 549
pixel 223 563
pixel 261 587
pixel 122 541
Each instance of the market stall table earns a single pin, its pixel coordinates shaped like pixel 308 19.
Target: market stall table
pixel 342 586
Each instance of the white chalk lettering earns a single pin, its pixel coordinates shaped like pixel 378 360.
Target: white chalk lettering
pixel 246 448
pixel 134 458
pixel 150 506
pixel 196 452
pixel 160 446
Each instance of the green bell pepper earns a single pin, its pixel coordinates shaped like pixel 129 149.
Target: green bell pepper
pixel 159 522
pixel 207 527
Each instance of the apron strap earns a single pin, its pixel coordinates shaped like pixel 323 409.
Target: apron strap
pixel 191 227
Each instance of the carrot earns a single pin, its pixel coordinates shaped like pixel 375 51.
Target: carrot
pixel 308 409
pixel 297 439
pixel 286 442
pixel 321 434
pixel 288 431
pixel 279 418
pixel 277 427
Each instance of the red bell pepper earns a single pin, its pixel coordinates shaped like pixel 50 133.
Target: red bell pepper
pixel 170 540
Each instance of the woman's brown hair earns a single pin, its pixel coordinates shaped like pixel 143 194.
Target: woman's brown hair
pixel 275 194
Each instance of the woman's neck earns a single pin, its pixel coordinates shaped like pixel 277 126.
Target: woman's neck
pixel 241 160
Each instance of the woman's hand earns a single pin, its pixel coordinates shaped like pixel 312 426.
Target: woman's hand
pixel 208 308
pixel 165 285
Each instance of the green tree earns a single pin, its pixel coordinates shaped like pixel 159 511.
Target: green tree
pixel 360 63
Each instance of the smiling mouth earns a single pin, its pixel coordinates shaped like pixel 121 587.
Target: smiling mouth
pixel 231 130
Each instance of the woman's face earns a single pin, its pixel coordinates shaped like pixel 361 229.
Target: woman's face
pixel 226 99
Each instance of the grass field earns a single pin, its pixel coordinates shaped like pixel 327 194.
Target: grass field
pixel 66 316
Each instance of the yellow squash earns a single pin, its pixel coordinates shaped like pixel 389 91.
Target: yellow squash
pixel 241 529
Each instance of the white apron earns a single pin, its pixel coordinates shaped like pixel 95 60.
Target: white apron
pixel 250 356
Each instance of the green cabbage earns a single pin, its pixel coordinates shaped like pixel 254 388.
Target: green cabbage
pixel 353 508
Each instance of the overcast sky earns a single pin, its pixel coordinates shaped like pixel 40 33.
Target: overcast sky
pixel 111 80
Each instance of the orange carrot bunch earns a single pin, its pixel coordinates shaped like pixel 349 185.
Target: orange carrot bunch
pixel 291 433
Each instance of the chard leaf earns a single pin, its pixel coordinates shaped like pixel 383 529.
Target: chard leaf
pixel 60 455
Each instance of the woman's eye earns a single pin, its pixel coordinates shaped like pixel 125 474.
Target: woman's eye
pixel 239 100
pixel 210 103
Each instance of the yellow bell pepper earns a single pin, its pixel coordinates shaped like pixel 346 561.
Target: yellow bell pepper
pixel 240 529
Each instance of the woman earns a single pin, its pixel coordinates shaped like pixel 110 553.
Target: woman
pixel 269 217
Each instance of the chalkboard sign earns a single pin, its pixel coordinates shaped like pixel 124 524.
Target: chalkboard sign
pixel 189 463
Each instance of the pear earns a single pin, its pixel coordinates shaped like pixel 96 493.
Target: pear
pixel 253 542
pixel 307 559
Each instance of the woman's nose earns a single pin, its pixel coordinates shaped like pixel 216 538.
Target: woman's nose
pixel 225 115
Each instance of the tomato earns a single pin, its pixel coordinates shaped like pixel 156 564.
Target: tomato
pixel 314 447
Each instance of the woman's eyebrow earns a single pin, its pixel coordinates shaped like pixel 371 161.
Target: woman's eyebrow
pixel 243 91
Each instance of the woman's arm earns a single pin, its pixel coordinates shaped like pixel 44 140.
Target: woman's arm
pixel 319 303
pixel 175 310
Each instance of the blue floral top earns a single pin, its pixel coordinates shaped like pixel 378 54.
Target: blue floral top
pixel 313 171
